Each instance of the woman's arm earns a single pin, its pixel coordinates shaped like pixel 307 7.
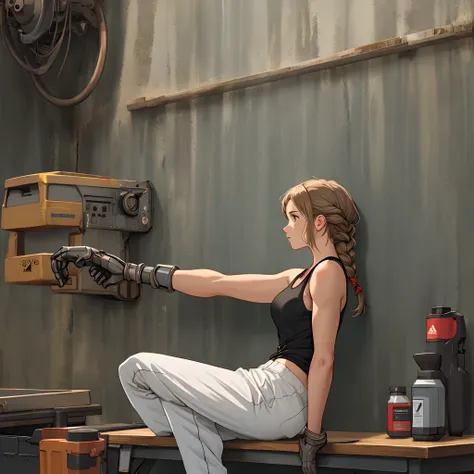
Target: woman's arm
pixel 108 269
pixel 327 287
pixel 255 288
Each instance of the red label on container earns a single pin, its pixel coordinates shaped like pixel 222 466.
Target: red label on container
pixel 399 417
pixel 440 328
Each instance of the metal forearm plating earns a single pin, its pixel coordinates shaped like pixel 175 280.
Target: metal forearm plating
pixel 108 269
pixel 158 277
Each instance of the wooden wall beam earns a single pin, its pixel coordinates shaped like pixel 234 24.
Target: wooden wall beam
pixel 386 47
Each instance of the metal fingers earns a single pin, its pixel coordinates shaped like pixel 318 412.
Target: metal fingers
pixel 59 266
pixel 79 255
pixel 106 269
pixel 103 277
pixel 99 275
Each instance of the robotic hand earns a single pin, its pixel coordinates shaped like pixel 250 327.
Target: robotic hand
pixel 107 269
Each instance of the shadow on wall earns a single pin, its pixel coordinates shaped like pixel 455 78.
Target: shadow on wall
pixel 354 350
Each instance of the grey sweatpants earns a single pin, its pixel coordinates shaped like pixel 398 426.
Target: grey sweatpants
pixel 204 405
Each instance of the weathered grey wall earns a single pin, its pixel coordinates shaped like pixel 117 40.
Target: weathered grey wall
pixel 34 137
pixel 396 131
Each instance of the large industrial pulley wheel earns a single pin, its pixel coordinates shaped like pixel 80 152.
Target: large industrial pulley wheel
pixel 35 31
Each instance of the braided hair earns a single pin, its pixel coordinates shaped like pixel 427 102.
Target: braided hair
pixel 316 197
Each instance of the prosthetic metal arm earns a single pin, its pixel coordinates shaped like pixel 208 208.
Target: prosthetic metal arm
pixel 107 269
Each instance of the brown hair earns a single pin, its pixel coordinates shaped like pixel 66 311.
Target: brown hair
pixel 316 197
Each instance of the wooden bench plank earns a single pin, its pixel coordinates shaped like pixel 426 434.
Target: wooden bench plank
pixel 339 442
pixel 145 437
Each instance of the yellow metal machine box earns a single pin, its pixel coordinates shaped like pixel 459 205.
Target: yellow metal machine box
pixel 96 211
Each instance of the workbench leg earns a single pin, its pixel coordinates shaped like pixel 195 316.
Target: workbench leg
pixel 111 465
pixel 414 466
pixel 125 458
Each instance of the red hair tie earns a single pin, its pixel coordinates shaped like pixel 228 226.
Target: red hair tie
pixel 358 289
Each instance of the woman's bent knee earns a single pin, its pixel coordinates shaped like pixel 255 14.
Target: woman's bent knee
pixel 129 367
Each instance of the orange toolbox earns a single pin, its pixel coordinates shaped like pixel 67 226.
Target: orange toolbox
pixel 71 451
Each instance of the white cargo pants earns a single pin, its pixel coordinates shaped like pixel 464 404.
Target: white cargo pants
pixel 204 405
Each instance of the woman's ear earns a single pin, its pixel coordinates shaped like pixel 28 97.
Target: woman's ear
pixel 319 222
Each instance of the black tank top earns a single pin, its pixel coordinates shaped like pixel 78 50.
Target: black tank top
pixel 294 322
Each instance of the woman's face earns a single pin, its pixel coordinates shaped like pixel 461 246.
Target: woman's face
pixel 295 227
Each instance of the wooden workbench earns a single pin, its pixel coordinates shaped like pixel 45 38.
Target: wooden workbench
pixel 346 450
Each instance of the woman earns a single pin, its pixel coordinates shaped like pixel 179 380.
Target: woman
pixel 203 405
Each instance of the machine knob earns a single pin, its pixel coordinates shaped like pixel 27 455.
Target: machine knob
pixel 130 204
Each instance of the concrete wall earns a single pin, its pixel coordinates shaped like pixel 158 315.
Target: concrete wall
pixel 34 137
pixel 396 131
